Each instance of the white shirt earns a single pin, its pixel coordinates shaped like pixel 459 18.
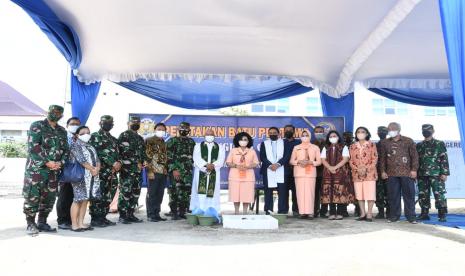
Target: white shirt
pixel 345 152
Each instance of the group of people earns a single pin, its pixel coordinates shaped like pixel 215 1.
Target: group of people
pixel 324 173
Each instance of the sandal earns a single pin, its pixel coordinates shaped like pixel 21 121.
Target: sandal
pixel 77 230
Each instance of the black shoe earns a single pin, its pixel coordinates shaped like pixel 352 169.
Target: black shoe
pixel 89 228
pixel 380 214
pixel 295 213
pixel 153 219
pixel 442 215
pixel 169 214
pixel 64 226
pixel 77 230
pixel 310 217
pixel 108 222
pixel 182 216
pixel 98 222
pixel 424 214
pixel 323 216
pixel 345 214
pixel 134 219
pixel 174 216
pixel 124 220
pixel 361 218
pixel 442 219
pixel 303 216
pixel 369 220
pixel 392 220
pixel 159 218
pixel 32 229
pixel 45 227
pixel 413 221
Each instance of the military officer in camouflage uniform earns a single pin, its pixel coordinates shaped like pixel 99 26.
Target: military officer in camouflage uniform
pixel 132 155
pixel 47 151
pixel 107 150
pixel 432 174
pixel 381 188
pixel 180 164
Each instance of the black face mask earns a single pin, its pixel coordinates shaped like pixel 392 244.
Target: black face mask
pixel 107 126
pixel 274 137
pixel 289 134
pixel 382 135
pixel 135 127
pixel 184 132
pixel 427 133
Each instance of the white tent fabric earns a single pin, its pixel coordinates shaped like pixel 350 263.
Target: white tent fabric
pixel 327 44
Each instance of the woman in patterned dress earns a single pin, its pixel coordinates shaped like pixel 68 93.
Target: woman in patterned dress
pixel 89 187
pixel 335 190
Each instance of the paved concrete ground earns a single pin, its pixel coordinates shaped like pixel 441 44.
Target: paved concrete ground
pixel 318 247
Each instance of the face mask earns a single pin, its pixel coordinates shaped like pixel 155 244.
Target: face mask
pixel 361 136
pixel 243 143
pixel 289 134
pixel 72 129
pixel 427 133
pixel 382 135
pixel 393 133
pixel 107 126
pixel 274 137
pixel 160 133
pixel 320 136
pixel 209 138
pixel 333 140
pixel 135 127
pixel 305 139
pixel 84 138
pixel 53 117
pixel 184 132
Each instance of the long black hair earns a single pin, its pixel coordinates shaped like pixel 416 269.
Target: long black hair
pixel 366 130
pixel 328 143
pixel 239 136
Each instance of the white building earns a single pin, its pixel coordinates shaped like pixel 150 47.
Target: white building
pixel 371 111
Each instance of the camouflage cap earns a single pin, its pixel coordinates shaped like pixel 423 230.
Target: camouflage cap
pixel 383 129
pixel 55 107
pixel 106 118
pixel 427 127
pixel 184 125
pixel 134 119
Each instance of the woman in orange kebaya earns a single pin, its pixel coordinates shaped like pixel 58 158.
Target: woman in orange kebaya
pixel 242 160
pixel 305 158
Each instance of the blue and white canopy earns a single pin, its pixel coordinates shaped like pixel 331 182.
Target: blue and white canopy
pixel 239 51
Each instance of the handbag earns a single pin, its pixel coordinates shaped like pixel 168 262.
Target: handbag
pixel 73 172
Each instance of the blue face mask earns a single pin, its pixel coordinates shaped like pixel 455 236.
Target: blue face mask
pixel 320 136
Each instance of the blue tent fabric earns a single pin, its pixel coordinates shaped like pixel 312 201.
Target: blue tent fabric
pixel 212 94
pixel 453 29
pixel 60 34
pixel 425 97
pixel 343 107
pixel 83 98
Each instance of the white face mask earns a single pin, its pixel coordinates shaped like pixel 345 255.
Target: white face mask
pixel 72 129
pixel 243 143
pixel 361 136
pixel 305 139
pixel 160 133
pixel 84 138
pixel 393 133
pixel 333 140
pixel 209 138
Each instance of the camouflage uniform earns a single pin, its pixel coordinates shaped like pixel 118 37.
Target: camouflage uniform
pixel 132 154
pixel 433 163
pixel 108 152
pixel 45 144
pixel 180 150
pixel 381 188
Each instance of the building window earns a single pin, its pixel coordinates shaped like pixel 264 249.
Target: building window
pixel 439 111
pixel 389 107
pixel 313 105
pixel 257 108
pixel 276 106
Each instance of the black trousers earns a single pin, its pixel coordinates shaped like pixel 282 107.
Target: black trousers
pixel 290 183
pixel 398 187
pixel 65 199
pixel 324 207
pixel 155 192
pixel 283 198
pixel 336 209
